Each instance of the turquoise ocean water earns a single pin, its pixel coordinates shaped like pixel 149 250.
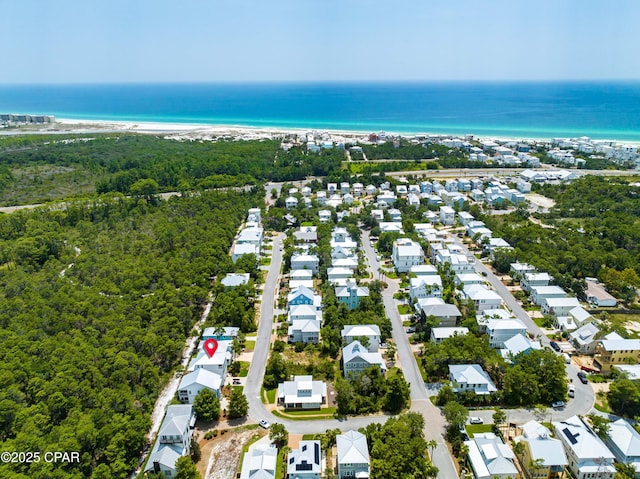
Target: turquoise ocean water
pixel 526 110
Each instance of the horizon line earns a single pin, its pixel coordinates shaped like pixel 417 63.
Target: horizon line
pixel 323 82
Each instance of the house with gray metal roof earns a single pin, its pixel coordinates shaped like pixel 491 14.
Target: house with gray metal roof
pixel 353 455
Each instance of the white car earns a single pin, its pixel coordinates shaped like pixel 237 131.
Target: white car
pixel 475 420
pixel 264 424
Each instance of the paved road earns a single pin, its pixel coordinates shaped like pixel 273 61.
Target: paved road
pixel 420 403
pixel 584 397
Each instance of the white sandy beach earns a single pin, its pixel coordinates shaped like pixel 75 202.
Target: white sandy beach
pixel 196 131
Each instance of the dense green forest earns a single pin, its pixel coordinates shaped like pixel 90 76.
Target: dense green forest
pixel 37 169
pixel 96 301
pixel 593 231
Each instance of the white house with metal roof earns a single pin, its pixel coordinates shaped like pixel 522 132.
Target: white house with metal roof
pixel 583 338
pixel 427 286
pixel 470 377
pixel 173 440
pixel 501 330
pixel 405 254
pixel 559 306
pixel 624 442
pixel 304 331
pixel 259 462
pixel 302 393
pixel 539 293
pixel 194 382
pixel 235 279
pixel 352 332
pixel 587 455
pixel 490 457
pixel 482 297
pixel 353 455
pixel 440 334
pixel 539 445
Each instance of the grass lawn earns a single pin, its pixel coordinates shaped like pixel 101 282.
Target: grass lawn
pixel 325 413
pixel 249 346
pixel 391 275
pixel 311 437
pixel 602 404
pixel 244 369
pixel 478 428
pixel 271 395
pixel 404 309
pixel 420 367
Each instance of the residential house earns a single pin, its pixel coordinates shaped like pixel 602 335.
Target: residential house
pixel 447 215
pixel 610 352
pixel 353 455
pixel 291 202
pixel 447 315
pixel 341 252
pixel 305 462
pixel 482 297
pixel 543 456
pixel 630 371
pixel 386 197
pixel 395 215
pixel 254 216
pixel 235 279
pixel 391 227
pixel 427 286
pixel 440 334
pixel 173 440
pixel 221 333
pixel 194 382
pixel 587 455
pixel 358 189
pixel 577 317
pixel 303 295
pixel 347 199
pixel 240 249
pixel 496 244
pixel 465 218
pixel 624 442
pixel 306 234
pixel 259 462
pixel 339 276
pixel 306 191
pixel 559 306
pixel 356 358
pixel 341 237
pixel 332 188
pixel 300 277
pixel 540 293
pixel 518 344
pixel 470 377
pixel 406 253
pixel 305 261
pixel 324 216
pixel 467 279
pixel 304 312
pixel 423 270
pixel 533 279
pixel 351 333
pixel 302 393
pixel 490 457
pixel 584 338
pixel 371 190
pixel 518 270
pixel 345 188
pixel 321 198
pixel 501 330
pixel 304 331
pixel 351 294
pixel 251 235
pixel 216 363
pixel 598 295
pixel 348 263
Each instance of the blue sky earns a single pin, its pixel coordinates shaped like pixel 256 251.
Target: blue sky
pixel 86 41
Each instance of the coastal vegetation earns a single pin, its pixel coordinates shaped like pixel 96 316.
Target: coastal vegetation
pixel 594 233
pixel 96 302
pixel 43 168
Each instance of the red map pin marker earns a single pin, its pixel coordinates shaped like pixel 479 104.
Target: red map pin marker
pixel 210 346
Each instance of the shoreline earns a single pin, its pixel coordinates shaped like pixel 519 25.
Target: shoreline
pixel 208 130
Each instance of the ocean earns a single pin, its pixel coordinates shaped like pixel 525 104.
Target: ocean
pixel 600 110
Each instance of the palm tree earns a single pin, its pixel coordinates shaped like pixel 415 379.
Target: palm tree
pixel 431 445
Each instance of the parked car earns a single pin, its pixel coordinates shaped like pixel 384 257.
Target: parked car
pixel 583 377
pixel 558 404
pixel 572 391
pixel 411 330
pixel 554 345
pixel 484 273
pixel 475 420
pixel 264 424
